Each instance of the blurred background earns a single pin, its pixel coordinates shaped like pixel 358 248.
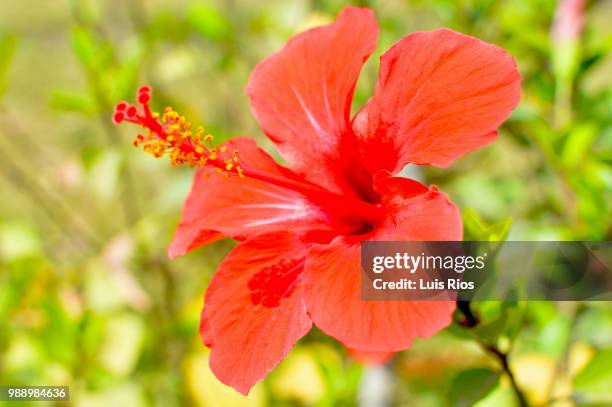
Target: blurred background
pixel 87 296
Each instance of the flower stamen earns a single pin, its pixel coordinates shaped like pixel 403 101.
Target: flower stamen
pixel 172 135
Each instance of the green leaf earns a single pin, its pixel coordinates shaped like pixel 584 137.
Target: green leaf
pixel 506 324
pixel 595 327
pixel 578 144
pixel 470 386
pixel 566 58
pixel 7 50
pixel 553 338
pixel 475 228
pixel 125 79
pixel 208 22
pixel 594 383
pixel 73 102
pixel 85 48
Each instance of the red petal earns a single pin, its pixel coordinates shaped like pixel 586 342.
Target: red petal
pixel 189 236
pixel 302 94
pixel 241 207
pixel 255 308
pixel 415 212
pixel 206 333
pixel 332 280
pixel 333 299
pixel 388 186
pixel 439 95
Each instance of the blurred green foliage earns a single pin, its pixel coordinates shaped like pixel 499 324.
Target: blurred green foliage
pixel 87 296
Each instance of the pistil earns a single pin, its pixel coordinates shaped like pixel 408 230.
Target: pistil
pixel 171 134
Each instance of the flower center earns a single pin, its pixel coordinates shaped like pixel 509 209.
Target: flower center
pixel 172 135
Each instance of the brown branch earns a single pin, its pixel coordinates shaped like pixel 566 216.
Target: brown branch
pixel 472 321
pixel 503 360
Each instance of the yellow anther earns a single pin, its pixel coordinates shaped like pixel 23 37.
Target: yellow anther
pixel 172 136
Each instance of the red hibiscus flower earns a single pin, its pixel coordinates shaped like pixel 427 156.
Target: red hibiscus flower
pixel 439 95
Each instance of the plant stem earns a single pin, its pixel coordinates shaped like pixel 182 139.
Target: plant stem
pixel 503 359
pixel 472 321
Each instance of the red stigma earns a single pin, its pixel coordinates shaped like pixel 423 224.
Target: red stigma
pixel 144 95
pixel 144 98
pixel 118 117
pixel 131 112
